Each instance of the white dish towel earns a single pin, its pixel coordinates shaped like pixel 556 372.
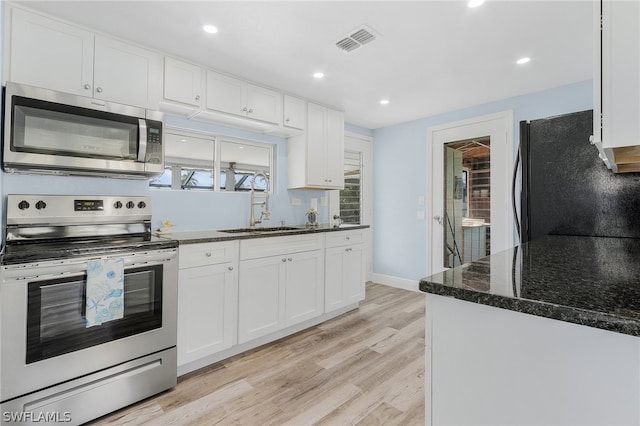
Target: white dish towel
pixel 105 291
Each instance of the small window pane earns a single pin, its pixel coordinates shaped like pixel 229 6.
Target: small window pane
pixel 197 179
pixel 351 196
pixel 162 181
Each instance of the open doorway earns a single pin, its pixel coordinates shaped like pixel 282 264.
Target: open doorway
pixel 467 203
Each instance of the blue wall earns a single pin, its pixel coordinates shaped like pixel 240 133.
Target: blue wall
pixel 399 162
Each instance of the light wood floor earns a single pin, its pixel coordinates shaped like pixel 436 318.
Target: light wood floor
pixel 365 367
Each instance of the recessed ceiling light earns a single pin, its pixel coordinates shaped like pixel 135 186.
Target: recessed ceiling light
pixel 318 75
pixel 475 3
pixel 384 102
pixel 210 29
pixel 523 60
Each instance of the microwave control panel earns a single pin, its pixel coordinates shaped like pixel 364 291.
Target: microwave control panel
pixel 154 142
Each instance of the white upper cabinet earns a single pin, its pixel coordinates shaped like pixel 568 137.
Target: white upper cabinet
pixel 183 82
pixel 49 54
pixel 295 113
pixel 240 98
pixel 57 56
pixel 617 84
pixel 316 158
pixel 126 73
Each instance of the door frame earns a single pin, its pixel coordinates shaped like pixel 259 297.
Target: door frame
pixel 499 126
pixel 357 142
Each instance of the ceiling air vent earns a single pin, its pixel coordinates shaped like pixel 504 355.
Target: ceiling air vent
pixel 356 39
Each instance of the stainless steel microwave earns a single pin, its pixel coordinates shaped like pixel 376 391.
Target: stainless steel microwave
pixel 60 133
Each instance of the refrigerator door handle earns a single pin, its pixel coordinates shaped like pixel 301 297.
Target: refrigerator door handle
pixel 513 194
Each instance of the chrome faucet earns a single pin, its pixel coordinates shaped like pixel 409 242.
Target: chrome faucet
pixel 266 213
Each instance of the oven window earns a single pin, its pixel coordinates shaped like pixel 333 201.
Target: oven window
pixel 56 313
pixel 48 128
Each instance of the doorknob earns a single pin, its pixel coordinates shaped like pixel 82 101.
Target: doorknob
pixel 439 219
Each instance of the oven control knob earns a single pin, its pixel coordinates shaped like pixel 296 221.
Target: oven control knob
pixel 142 205
pixel 130 204
pixel 117 204
pixel 41 205
pixel 23 205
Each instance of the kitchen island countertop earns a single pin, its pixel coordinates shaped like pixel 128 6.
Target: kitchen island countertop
pixel 591 281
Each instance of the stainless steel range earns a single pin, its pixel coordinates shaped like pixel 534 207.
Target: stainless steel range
pixel 87 308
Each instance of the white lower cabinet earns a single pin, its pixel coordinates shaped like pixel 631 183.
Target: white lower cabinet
pixel 344 269
pixel 279 286
pixel 236 295
pixel 207 299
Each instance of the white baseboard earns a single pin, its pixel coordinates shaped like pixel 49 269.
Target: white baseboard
pixel 395 282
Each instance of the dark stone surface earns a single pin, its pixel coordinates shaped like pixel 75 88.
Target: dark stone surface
pixel 592 281
pixel 196 237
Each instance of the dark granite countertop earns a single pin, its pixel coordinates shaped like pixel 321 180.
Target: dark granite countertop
pixel 592 281
pixel 194 237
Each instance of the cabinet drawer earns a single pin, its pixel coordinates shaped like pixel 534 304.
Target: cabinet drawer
pixel 274 246
pixel 343 238
pixel 192 255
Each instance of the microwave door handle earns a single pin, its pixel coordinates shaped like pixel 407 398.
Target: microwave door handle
pixel 142 141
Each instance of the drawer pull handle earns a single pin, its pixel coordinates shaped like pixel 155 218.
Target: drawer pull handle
pixel 208 254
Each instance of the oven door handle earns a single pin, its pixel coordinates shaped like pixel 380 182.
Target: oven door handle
pixel 142 139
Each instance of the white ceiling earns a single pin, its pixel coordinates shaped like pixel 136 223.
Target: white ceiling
pixel 430 57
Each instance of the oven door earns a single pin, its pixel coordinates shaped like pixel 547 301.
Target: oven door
pixel 44 337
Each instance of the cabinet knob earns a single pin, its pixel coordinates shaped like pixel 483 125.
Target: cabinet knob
pixel 197 97
pixel 208 254
pixel 244 109
pixel 348 238
pixel 250 110
pixel 286 120
pixel 289 259
pixel 230 268
pixel 348 249
pixel 284 259
pixel 87 86
pixel 99 89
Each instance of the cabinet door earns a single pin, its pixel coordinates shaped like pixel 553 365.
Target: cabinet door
pixel 353 281
pixel 261 297
pixel 183 82
pixel 334 150
pixel 207 310
pixel 333 280
pixel 294 113
pixel 621 73
pixel 127 74
pixel 49 54
pixel 264 104
pixel 226 94
pixel 304 294
pixel 344 276
pixel 316 139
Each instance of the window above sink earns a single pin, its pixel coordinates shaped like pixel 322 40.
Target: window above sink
pixel 207 162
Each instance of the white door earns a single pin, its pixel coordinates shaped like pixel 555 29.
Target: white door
pixel 499 129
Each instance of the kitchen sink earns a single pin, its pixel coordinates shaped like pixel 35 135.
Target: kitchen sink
pixel 261 230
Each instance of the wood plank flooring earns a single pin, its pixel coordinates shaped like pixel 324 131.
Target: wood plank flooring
pixel 365 367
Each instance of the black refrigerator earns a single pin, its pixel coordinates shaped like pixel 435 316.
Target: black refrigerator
pixel 567 189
